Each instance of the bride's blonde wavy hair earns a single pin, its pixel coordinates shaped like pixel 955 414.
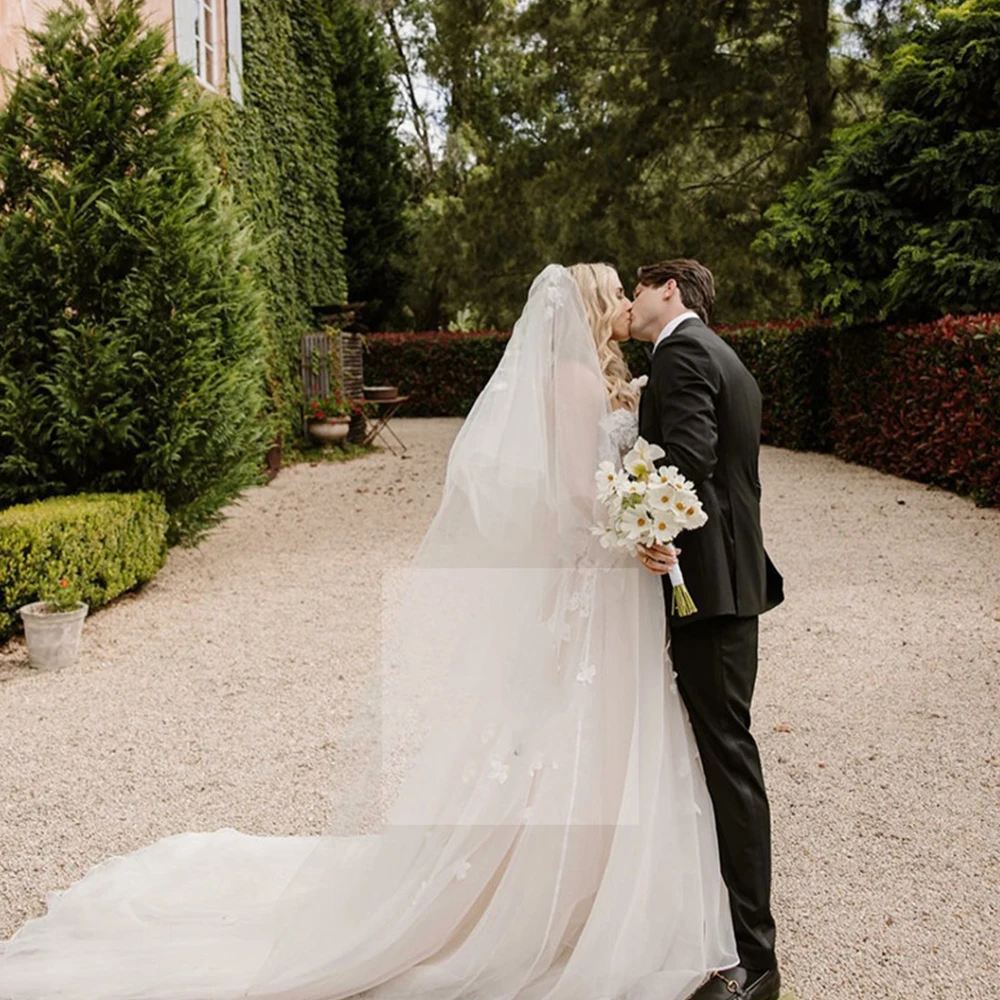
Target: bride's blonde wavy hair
pixel 597 284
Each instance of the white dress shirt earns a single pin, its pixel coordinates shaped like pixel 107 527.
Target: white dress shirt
pixel 673 324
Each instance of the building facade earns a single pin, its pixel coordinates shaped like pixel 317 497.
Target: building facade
pixel 206 34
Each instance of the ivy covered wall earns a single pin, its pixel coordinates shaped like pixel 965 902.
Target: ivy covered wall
pixel 316 130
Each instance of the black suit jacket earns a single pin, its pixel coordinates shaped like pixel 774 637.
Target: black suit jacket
pixel 703 408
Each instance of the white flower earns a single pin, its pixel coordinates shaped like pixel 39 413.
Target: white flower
pixel 537 764
pixel 673 475
pixel 461 870
pixel 640 382
pixel 587 674
pixel 606 477
pixel 631 489
pixel 469 773
pixel 498 771
pixel 664 527
pixel 635 523
pixel 640 461
pixel 608 536
pixel 687 509
pixel 660 496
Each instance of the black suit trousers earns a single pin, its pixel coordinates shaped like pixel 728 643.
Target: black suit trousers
pixel 716 664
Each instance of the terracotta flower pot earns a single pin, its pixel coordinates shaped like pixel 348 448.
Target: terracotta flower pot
pixel 53 636
pixel 329 432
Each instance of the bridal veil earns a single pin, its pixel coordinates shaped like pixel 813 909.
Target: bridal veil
pixel 527 818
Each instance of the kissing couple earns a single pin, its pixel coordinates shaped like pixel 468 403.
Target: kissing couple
pixel 580 813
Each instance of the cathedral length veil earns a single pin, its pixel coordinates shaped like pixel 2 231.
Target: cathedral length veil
pixel 548 833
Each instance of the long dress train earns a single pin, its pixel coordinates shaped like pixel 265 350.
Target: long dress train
pixel 553 838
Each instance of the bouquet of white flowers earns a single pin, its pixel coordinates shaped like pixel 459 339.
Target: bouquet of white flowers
pixel 647 505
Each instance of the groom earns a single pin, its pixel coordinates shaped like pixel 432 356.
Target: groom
pixel 703 408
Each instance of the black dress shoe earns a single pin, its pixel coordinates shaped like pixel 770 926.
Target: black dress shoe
pixel 741 984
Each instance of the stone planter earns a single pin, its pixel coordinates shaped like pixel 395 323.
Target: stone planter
pixel 329 432
pixel 53 636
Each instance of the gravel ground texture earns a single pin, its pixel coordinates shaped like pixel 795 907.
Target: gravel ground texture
pixel 214 697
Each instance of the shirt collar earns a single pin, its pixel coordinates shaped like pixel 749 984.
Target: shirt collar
pixel 673 324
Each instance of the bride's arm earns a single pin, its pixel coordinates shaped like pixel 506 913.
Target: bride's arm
pixel 580 402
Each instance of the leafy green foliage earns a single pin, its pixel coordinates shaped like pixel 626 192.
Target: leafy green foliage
pixel 313 158
pixel 791 363
pixel 103 545
pixel 130 329
pixel 279 153
pixel 372 179
pixel 627 132
pixel 902 217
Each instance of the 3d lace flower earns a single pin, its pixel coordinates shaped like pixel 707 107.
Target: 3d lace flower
pixel 582 600
pixel 499 771
pixel 587 674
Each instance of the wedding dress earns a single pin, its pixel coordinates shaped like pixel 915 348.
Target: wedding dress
pixel 550 835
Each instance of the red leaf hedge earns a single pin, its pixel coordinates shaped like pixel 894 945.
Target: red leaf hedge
pixel 921 402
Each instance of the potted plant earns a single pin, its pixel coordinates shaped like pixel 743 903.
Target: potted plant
pixel 329 418
pixel 52 626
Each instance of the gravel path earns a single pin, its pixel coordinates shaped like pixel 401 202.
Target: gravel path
pixel 211 698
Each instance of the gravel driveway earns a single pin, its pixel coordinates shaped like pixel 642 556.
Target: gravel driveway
pixel 212 698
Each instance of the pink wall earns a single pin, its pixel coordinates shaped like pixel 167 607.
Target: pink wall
pixel 15 15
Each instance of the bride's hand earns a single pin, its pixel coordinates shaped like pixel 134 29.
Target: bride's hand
pixel 658 559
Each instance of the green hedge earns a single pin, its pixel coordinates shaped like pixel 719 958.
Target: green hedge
pixel 921 402
pixel 442 373
pixel 105 543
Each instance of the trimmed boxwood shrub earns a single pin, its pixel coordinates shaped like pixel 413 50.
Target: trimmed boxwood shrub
pixel 104 543
pixel 922 402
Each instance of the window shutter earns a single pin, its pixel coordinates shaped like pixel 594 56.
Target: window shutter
pixel 234 49
pixel 185 13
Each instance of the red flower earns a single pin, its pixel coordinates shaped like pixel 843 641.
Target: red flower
pixel 63 582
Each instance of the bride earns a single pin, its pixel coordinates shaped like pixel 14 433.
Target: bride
pixel 550 834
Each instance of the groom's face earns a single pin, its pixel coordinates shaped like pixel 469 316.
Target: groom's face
pixel 649 307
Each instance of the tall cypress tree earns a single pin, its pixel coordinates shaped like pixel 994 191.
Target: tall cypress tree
pixel 372 179
pixel 130 329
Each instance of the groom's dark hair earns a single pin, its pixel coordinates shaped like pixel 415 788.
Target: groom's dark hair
pixel 693 279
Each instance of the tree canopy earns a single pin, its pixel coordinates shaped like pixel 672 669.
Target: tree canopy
pixel 902 216
pixel 623 131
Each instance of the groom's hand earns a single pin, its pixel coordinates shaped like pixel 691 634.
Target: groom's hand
pixel 658 559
